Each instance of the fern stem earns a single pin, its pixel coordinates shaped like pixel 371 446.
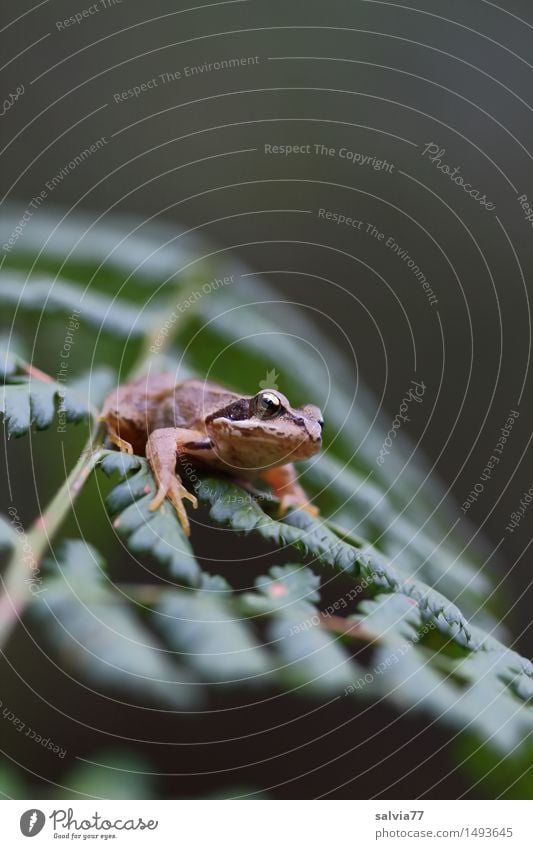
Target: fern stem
pixel 19 580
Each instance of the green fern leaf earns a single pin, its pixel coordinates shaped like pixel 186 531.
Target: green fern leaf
pixel 27 400
pixel 158 534
pixel 100 636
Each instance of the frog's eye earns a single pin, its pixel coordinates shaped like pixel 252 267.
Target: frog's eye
pixel 267 404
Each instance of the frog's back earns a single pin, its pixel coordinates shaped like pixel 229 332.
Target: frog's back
pixel 188 403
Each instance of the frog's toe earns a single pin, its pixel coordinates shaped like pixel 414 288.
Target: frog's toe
pixel 174 490
pixel 184 493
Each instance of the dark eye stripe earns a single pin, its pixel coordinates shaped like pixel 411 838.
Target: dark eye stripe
pixel 238 411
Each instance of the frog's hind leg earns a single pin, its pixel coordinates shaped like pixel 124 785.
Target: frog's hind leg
pixel 163 448
pixel 285 486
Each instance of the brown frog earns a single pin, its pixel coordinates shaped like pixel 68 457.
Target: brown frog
pixel 246 436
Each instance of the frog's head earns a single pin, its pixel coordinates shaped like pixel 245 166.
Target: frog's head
pixel 264 431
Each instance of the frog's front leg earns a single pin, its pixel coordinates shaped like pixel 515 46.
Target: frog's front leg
pixel 162 450
pixel 284 483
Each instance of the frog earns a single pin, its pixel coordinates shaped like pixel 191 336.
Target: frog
pixel 204 424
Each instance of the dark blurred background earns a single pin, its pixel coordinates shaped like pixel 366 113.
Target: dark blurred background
pixel 365 80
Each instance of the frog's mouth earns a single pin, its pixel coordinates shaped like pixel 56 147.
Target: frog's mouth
pixel 246 429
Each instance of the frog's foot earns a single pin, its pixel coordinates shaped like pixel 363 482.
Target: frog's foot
pixel 121 444
pixel 172 488
pixel 285 486
pixel 162 449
